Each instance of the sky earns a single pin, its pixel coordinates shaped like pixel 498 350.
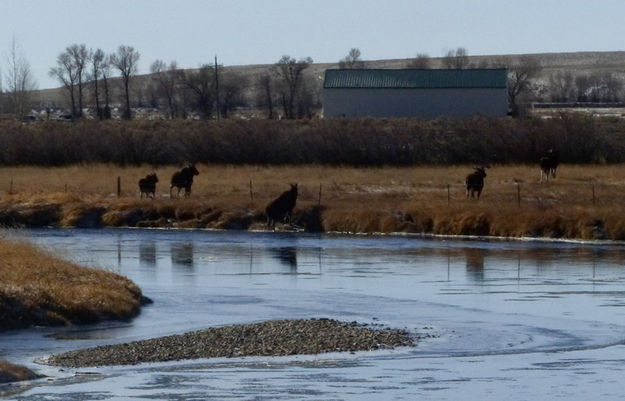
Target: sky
pixel 240 32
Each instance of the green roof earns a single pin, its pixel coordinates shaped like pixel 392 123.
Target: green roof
pixel 415 78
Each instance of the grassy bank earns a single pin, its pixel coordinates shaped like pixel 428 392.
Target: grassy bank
pixel 585 201
pixel 38 288
pixel 13 373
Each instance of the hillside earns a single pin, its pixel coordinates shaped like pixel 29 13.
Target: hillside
pixel 578 63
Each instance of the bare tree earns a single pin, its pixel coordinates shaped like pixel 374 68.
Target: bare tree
pixel 96 60
pixel 65 72
pixel 520 76
pixel 105 68
pixel 266 94
pixel 1 94
pixel 604 87
pixel 19 81
pixel 79 56
pixel 291 79
pixel 561 86
pixel 125 60
pixel 421 61
pixel 582 87
pixel 352 60
pixel 201 83
pixel 232 92
pixel 167 78
pixel 457 59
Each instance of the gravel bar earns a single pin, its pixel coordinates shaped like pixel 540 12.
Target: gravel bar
pixel 271 338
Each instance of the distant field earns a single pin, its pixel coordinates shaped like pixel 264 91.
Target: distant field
pixel 583 202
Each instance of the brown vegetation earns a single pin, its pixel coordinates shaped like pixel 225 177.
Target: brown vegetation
pixel 12 373
pixel 38 288
pixel 364 142
pixel 363 200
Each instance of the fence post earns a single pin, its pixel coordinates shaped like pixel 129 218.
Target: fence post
pixel 11 187
pixel 119 186
pixel 593 195
pixel 319 200
pixel 251 196
pixel 518 194
pixel 448 195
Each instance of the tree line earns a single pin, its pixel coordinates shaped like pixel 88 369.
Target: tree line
pixel 283 90
pixel 209 91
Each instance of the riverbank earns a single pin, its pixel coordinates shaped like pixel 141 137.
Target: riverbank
pixel 13 373
pixel 38 288
pixel 271 338
pixel 584 202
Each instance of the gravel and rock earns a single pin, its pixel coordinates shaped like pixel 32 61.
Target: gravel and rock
pixel 271 338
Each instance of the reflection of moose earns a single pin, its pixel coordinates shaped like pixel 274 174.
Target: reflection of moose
pixel 282 207
pixel 475 262
pixel 147 253
pixel 147 185
pixel 182 254
pixel 286 255
pixel 183 179
pixel 475 182
pixel 549 165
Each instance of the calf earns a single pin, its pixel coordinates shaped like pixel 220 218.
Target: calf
pixel 183 179
pixel 475 182
pixel 548 165
pixel 282 207
pixel 147 185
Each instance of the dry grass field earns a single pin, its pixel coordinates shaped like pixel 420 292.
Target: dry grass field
pixel 38 288
pixel 583 202
pixel 11 373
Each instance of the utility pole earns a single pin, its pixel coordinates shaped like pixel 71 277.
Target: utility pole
pixel 217 88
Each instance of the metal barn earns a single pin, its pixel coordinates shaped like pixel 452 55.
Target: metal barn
pixel 415 93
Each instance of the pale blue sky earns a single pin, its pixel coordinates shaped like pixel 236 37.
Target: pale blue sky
pixel 261 31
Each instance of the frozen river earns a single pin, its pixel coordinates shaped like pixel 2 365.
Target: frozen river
pixel 510 320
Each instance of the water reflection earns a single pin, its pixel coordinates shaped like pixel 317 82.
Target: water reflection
pixel 475 262
pixel 286 255
pixel 182 254
pixel 147 253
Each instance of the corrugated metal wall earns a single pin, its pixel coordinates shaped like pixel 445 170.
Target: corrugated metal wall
pixel 419 103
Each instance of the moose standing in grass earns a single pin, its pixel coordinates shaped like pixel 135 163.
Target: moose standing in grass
pixel 147 185
pixel 183 179
pixel 548 165
pixel 475 182
pixel 281 207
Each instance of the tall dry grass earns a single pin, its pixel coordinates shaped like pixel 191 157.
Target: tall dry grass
pixel 373 199
pixel 38 288
pixel 359 142
pixel 11 373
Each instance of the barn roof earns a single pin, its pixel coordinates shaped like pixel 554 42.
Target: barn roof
pixel 415 78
